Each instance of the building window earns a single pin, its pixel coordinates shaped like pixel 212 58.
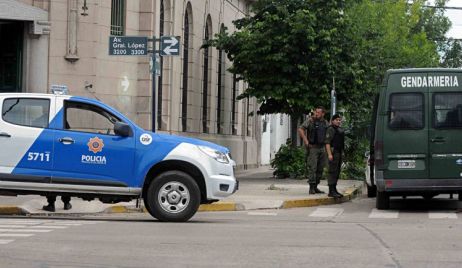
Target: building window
pixel 220 85
pixel 118 17
pixel 184 98
pixel 205 82
pixel 159 79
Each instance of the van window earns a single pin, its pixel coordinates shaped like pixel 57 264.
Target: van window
pixel 447 110
pixel 406 111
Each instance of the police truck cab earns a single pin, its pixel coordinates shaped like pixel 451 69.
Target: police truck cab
pixel 59 144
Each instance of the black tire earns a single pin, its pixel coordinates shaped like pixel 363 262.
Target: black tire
pixel 371 191
pixel 460 195
pixel 178 186
pixel 428 197
pixel 382 200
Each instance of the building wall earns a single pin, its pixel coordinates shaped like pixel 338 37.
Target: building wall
pixel 274 134
pixel 77 55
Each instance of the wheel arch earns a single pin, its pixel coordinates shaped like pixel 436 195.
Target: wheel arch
pixel 178 165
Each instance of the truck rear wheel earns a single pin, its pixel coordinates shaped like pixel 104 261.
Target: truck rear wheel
pixel 172 196
pixel 382 200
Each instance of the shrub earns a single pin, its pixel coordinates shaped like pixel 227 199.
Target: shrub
pixel 289 161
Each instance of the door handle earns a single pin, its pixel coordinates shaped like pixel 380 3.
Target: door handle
pixel 438 139
pixel 4 134
pixel 66 140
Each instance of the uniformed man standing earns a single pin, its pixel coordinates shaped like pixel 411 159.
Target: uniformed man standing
pixel 315 128
pixel 335 144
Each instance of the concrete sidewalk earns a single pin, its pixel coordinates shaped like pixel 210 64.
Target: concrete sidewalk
pixel 257 190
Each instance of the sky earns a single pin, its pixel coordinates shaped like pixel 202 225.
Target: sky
pixel 455 15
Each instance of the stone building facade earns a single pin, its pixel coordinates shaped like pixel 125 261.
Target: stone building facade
pixel 47 42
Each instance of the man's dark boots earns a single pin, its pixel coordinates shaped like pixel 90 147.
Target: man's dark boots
pixel 67 206
pixel 335 188
pixel 316 190
pixel 312 188
pixel 50 207
pixel 332 192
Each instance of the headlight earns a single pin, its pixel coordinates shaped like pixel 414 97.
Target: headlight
pixel 217 155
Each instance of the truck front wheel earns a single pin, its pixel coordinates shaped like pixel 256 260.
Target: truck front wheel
pixel 173 196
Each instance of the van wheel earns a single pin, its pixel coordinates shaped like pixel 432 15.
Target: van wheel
pixel 428 197
pixel 173 196
pixel 371 191
pixel 382 200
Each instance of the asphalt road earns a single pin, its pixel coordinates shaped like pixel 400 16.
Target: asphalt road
pixel 415 233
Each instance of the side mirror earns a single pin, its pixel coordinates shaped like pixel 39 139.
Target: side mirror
pixel 122 129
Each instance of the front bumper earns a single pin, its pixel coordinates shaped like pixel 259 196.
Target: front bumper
pixel 221 186
pixel 418 185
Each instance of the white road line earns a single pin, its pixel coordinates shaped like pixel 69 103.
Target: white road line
pixel 383 214
pixel 4 242
pixel 64 224
pixel 22 222
pixel 50 227
pixel 16 235
pixel 262 214
pixel 326 212
pixel 12 226
pixel 442 215
pixel 25 230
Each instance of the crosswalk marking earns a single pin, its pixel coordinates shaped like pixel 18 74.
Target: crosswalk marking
pixel 383 214
pixel 23 228
pixel 26 230
pixel 12 226
pixel 50 227
pixel 262 214
pixel 16 235
pixel 326 212
pixel 442 215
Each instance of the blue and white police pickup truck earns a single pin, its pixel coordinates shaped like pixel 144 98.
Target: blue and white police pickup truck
pixel 63 145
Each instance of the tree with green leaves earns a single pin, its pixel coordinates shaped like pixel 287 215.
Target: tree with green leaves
pixel 289 52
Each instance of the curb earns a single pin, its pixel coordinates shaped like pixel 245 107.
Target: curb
pixel 12 210
pixel 350 194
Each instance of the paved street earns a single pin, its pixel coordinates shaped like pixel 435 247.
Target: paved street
pixel 414 233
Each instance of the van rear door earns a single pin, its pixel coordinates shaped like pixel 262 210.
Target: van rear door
pixel 445 132
pixel 405 136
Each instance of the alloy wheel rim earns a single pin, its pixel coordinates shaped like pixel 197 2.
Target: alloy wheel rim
pixel 174 197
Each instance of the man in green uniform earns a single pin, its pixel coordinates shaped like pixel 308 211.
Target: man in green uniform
pixel 315 128
pixel 335 144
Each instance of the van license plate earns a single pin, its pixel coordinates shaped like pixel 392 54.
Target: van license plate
pixel 406 163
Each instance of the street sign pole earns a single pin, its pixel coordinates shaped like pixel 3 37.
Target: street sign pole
pixel 154 81
pixel 138 46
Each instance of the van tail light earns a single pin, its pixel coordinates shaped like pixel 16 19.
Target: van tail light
pixel 378 154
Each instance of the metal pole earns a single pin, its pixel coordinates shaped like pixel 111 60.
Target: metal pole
pixel 154 89
pixel 333 99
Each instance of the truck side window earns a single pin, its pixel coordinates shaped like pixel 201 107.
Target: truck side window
pixel 88 118
pixel 406 111
pixel 26 112
pixel 447 110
